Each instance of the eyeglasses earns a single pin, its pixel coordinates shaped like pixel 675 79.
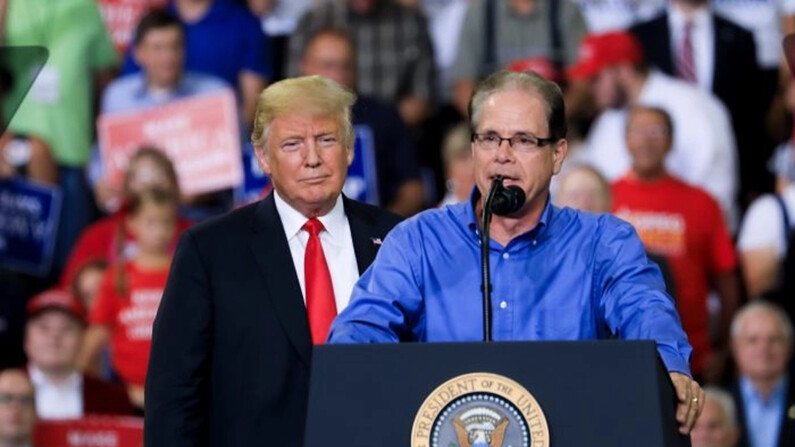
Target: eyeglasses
pixel 521 141
pixel 23 400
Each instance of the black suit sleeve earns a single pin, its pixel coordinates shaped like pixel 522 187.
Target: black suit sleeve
pixel 179 365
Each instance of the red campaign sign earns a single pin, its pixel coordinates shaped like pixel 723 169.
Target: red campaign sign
pixel 200 135
pixel 91 431
pixel 121 18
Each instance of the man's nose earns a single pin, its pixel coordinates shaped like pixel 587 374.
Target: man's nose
pixel 504 151
pixel 312 157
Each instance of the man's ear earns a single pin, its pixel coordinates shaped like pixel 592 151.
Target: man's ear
pixel 350 153
pixel 559 155
pixel 263 158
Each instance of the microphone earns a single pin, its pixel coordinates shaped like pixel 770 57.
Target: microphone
pixel 507 200
pixel 501 201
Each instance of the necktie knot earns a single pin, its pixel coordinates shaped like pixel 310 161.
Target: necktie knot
pixel 313 226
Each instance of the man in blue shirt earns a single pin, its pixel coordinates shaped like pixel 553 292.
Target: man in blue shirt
pixel 558 274
pixel 159 48
pixel 223 39
pixel 761 338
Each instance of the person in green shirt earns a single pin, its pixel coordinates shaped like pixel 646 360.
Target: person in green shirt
pixel 59 108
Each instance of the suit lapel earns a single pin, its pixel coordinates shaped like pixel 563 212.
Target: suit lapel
pixel 362 232
pixel 787 435
pixel 723 39
pixel 663 31
pixel 272 253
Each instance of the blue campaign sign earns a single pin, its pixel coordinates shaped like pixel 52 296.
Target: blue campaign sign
pixel 29 214
pixel 361 184
pixel 254 180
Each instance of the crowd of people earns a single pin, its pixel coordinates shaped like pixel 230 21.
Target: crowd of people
pixel 679 116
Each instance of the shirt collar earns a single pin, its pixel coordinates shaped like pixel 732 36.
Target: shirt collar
pixel 677 18
pixel 334 222
pixel 749 392
pixel 471 221
pixel 654 80
pixel 39 379
pixel 141 91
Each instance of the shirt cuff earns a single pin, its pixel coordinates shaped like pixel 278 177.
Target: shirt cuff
pixel 673 360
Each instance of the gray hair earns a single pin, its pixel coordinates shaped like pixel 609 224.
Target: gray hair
pixel 529 82
pixel 725 402
pixel 761 306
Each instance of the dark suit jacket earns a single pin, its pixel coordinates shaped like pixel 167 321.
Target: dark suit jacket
pixel 735 81
pixel 231 347
pixel 786 437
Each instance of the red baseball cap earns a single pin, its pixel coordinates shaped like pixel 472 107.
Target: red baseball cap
pixel 599 51
pixel 543 66
pixel 56 299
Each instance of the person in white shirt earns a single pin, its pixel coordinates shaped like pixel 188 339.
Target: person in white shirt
pixel 615 15
pixel 763 240
pixel 17 409
pixel 53 336
pixel 704 150
pixel 688 40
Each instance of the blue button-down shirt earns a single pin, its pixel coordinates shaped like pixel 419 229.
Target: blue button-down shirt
pixel 763 416
pixel 130 93
pixel 574 276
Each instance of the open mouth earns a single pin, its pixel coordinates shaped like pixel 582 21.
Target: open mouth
pixel 505 178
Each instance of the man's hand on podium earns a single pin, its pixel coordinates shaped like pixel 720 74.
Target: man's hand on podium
pixel 691 401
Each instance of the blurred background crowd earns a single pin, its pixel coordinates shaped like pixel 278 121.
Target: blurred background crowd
pixel 680 122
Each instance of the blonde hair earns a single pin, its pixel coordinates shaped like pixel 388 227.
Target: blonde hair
pixel 316 94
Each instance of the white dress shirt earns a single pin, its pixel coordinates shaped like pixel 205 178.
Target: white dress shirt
pixel 704 151
pixel 702 36
pixel 57 401
pixel 337 245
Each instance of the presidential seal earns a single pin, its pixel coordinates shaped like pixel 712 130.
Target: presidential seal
pixel 480 410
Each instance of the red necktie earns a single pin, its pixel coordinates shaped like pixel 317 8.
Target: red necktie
pixel 685 61
pixel 321 307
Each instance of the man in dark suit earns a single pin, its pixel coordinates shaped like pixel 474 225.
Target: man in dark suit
pixel 765 395
pixel 691 42
pixel 249 293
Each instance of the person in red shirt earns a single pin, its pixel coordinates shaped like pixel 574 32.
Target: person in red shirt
pixel 131 290
pixel 148 168
pixel 685 225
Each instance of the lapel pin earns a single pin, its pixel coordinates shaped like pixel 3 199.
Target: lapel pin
pixel 377 241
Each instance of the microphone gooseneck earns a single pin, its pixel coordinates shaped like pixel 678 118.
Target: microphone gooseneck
pixel 502 202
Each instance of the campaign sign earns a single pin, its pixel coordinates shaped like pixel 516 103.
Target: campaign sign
pixel 122 16
pixel 200 135
pixel 29 215
pixel 361 184
pixel 255 182
pixel 91 431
